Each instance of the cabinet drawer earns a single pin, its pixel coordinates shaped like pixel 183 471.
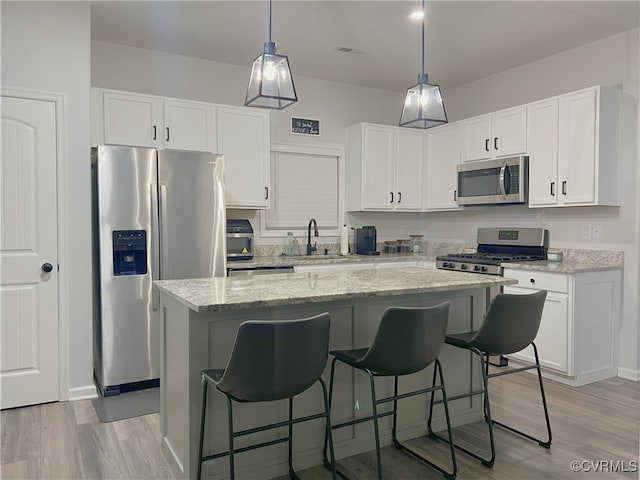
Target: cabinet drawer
pixel 541 280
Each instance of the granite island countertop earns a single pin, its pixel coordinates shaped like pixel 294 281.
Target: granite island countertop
pixel 234 293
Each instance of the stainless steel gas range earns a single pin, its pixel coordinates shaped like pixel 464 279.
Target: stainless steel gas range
pixel 496 246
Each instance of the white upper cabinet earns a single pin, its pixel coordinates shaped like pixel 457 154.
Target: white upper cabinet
pixel 132 119
pixel 384 168
pixel 409 169
pixel 495 135
pixel 189 126
pixel 574 148
pixel 542 136
pixel 147 121
pixel 442 158
pixel 243 139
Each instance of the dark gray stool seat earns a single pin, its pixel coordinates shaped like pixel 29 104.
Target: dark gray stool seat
pixel 271 361
pixel 510 325
pixel 407 341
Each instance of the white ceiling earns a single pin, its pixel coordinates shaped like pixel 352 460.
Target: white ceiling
pixel 465 40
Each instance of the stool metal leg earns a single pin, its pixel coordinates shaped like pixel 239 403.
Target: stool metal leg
pixel 375 422
pixel 205 386
pixel 412 453
pixel 328 433
pixel 231 451
pixel 487 413
pixel 542 443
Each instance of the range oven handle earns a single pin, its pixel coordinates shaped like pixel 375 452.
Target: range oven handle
pixel 503 171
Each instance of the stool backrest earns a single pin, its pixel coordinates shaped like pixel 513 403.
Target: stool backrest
pixel 274 360
pixel 511 323
pixel 408 339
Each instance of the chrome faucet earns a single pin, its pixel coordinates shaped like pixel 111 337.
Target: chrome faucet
pixel 315 234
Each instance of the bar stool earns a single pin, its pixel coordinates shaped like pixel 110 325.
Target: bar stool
pixel 510 325
pixel 407 341
pixel 271 360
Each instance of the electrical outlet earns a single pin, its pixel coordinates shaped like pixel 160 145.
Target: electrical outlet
pixel 585 231
pixel 596 232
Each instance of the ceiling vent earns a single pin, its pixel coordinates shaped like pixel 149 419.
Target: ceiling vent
pixel 353 51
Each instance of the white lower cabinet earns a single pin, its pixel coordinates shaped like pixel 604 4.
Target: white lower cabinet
pixel 577 338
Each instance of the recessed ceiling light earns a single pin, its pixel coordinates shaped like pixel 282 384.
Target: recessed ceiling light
pixel 417 15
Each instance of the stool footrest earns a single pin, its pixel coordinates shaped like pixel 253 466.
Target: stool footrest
pixel 360 420
pixel 512 370
pixel 458 397
pixel 245 449
pixel 284 423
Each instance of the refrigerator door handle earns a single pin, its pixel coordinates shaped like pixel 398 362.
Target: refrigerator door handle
pixel 155 250
pixel 164 229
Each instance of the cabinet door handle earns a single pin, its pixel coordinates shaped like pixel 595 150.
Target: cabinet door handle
pixel 391 201
pixel 455 195
pixel 155 133
pixel 553 189
pixel 266 193
pixel 564 187
pixel 486 144
pixel 495 143
pixel 399 197
pixel 167 134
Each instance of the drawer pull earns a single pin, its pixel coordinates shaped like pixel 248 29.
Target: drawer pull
pixel 532 280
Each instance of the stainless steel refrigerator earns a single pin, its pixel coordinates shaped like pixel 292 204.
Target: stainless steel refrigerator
pixel 156 215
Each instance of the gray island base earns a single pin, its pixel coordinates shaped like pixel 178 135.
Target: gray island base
pixel 199 323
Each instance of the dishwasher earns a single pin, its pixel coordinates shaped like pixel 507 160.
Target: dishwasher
pixel 250 271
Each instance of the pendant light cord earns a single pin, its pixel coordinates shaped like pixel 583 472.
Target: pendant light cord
pixel 270 20
pixel 424 14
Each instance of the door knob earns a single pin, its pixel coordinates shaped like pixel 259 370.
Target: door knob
pixel 47 267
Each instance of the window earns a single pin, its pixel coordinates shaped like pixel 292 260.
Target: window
pixel 306 182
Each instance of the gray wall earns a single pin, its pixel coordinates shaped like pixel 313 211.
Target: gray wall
pixel 336 105
pixel 46 47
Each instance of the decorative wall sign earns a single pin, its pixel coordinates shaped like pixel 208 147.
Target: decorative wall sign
pixel 305 126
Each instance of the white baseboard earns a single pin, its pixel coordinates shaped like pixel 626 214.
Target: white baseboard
pixel 83 393
pixel 629 374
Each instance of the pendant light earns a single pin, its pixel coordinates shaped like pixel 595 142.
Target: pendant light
pixel 423 105
pixel 271 84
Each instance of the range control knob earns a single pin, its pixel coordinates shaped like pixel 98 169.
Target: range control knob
pixel 464 266
pixel 483 269
pixel 476 268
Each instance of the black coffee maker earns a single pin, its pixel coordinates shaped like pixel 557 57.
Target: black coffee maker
pixel 366 241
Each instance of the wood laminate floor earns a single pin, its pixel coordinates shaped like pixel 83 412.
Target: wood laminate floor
pixel 597 422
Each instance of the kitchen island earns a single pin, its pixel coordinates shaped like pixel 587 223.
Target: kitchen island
pixel 199 321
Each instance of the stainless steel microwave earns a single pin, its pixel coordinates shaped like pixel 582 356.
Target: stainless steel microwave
pixel 239 240
pixel 492 182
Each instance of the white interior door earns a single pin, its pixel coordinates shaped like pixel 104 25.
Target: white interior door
pixel 28 247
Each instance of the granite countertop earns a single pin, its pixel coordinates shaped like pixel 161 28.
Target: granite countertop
pixel 234 293
pixel 576 261
pixel 319 259
pixel 566 266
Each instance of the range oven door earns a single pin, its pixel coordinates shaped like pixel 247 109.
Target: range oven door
pixel 493 182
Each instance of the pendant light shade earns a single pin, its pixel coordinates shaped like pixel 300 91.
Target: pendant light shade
pixel 423 105
pixel 271 83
